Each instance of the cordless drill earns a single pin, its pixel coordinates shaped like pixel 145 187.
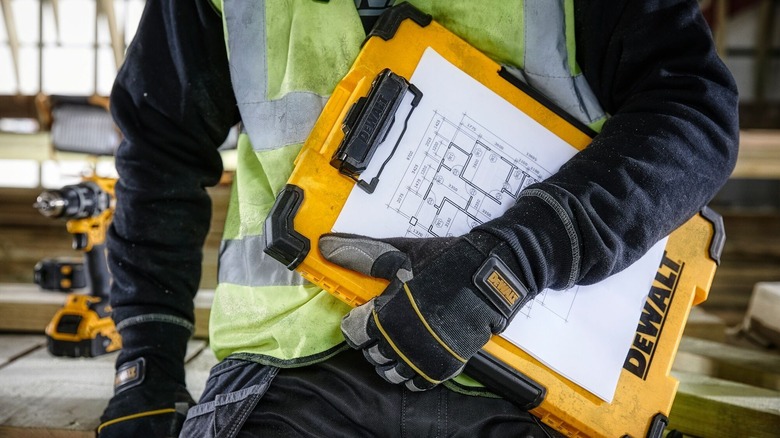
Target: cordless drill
pixel 83 326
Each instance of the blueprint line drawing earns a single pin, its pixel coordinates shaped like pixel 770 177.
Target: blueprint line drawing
pixel 561 307
pixel 460 176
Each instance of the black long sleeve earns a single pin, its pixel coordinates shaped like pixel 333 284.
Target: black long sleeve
pixel 173 102
pixel 670 144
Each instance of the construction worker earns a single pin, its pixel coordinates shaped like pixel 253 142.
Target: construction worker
pixel 642 73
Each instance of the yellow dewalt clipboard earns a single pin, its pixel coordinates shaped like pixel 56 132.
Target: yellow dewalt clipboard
pixel 338 149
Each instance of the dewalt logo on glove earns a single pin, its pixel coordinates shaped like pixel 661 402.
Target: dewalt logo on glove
pixel 500 286
pixel 130 374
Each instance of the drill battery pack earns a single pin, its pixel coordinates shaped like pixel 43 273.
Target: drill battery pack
pixel 60 274
pixel 82 328
pixel 340 147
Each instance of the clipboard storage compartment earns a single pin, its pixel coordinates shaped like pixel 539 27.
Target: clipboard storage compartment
pixel 311 202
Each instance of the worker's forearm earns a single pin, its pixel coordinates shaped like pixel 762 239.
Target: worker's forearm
pixel 173 102
pixel 668 147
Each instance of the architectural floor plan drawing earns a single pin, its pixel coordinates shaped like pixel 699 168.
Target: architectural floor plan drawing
pixel 462 160
pixel 461 175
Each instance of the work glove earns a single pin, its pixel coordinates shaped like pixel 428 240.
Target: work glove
pixel 445 299
pixel 150 397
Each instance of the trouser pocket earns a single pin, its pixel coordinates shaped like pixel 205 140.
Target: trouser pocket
pixel 232 391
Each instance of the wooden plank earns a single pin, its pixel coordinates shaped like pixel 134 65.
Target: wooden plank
pixel 735 278
pixel 198 370
pixel 42 395
pixel 203 300
pixel 61 397
pixel 727 362
pixel 759 154
pixel 194 348
pixel 704 325
pixel 715 408
pixel 762 320
pixel 17 106
pixel 15 346
pixel 13 39
pixel 106 7
pixel 27 308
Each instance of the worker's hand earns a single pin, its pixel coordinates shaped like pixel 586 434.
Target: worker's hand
pixel 146 403
pixel 445 299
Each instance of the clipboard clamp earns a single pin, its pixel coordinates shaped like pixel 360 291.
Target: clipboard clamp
pixel 367 124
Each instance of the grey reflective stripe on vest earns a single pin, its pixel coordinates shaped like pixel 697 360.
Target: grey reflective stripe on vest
pixel 545 30
pixel 243 262
pixel 270 124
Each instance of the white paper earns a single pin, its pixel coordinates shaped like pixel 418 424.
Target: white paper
pixel 465 156
pixel 463 159
pixel 585 332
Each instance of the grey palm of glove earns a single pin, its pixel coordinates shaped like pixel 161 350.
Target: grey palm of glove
pixel 446 297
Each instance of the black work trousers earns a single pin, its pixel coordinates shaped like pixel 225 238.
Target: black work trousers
pixel 343 397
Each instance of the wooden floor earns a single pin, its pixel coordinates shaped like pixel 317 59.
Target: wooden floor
pixel 43 395
pixel 26 308
pixel 46 396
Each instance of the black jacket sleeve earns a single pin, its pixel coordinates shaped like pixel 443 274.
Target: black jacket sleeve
pixel 174 104
pixel 669 145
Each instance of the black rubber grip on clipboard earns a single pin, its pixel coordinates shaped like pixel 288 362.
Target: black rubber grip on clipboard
pixel 505 381
pixel 718 233
pixel 282 242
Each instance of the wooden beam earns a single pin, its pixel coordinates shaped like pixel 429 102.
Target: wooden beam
pixel 55 10
pixel 106 8
pixel 759 115
pixel 18 107
pixel 721 25
pixel 763 42
pixel 27 308
pixel 715 408
pixel 704 325
pixel 759 155
pixel 203 301
pixel 728 362
pixel 197 371
pixel 13 38
pixel 762 320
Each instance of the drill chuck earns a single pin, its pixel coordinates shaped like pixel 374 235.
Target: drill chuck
pixel 76 201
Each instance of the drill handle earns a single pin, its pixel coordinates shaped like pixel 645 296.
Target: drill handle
pixel 98 276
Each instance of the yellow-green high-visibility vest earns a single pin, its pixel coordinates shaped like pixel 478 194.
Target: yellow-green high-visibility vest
pixel 286 56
